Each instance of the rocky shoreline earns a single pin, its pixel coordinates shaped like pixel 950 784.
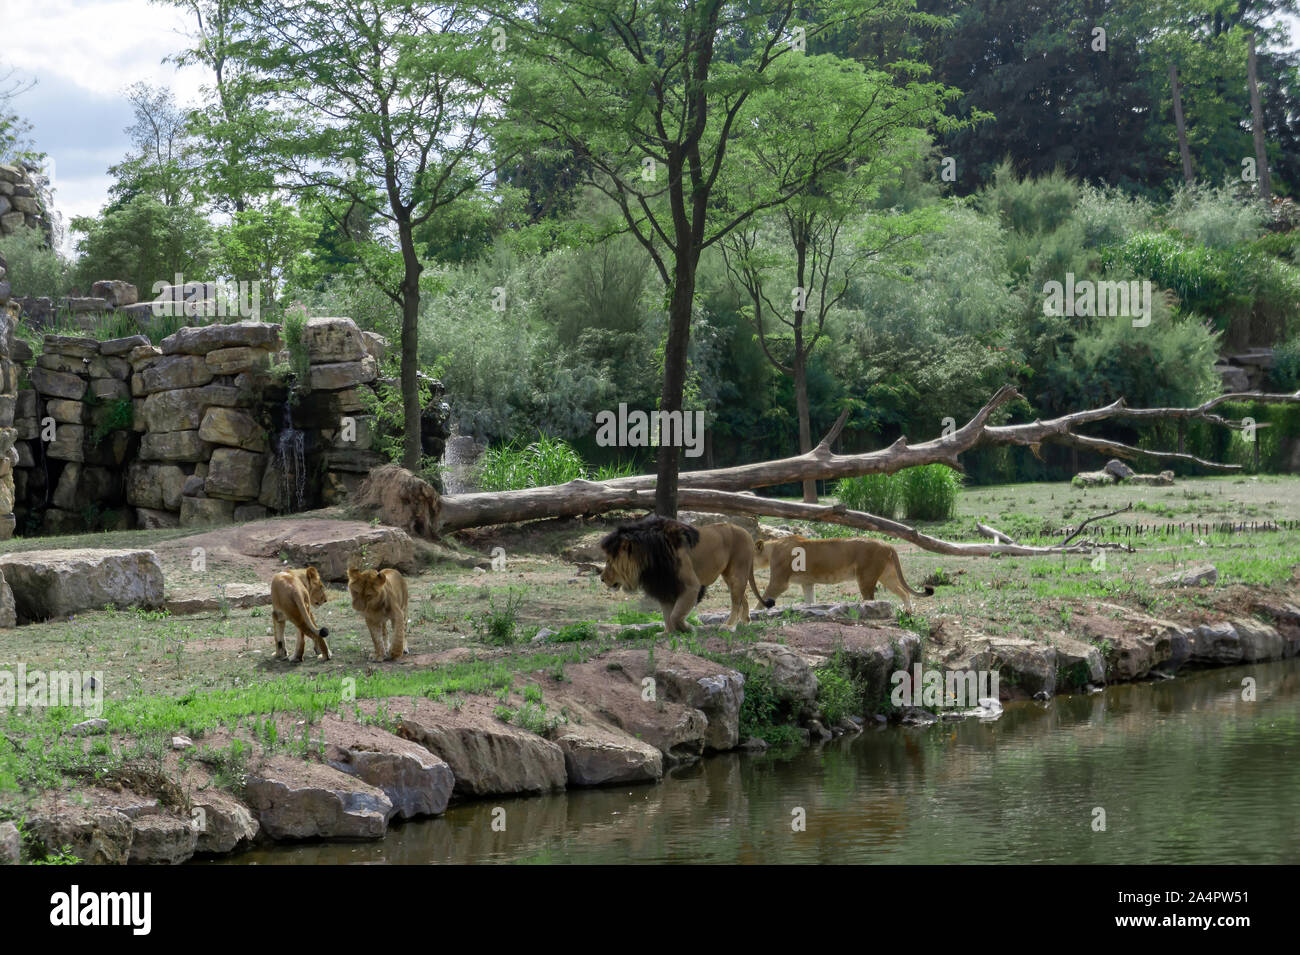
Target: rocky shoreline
pixel 620 717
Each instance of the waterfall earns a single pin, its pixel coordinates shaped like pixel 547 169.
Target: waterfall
pixel 290 461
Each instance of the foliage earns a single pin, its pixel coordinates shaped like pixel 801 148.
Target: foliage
pixel 544 461
pixel 878 494
pixel 33 267
pixel 929 492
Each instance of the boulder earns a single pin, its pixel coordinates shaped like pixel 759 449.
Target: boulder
pixel 233 428
pixel 328 545
pixel 8 613
pixel 299 800
pixel 596 753
pixel 872 653
pixel 201 340
pixel 10 844
pixel 121 347
pixel 68 444
pixel 791 671
pixel 57 384
pixel 1093 479
pixel 1216 644
pixel 715 690
pixel 1118 469
pixel 152 519
pixel 95 836
pixel 1259 641
pixel 184 446
pixel 487 756
pixel 154 486
pixel 233 474
pixel 1201 575
pixel 333 340
pixel 222 821
pixel 237 360
pixel 56 583
pixel 162 840
pixel 183 409
pixel 211 599
pixel 175 371
pixel 417 782
pixel 1163 479
pixel 336 376
pixel 205 511
pixel 79 485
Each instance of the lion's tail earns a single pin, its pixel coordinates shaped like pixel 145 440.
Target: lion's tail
pixel 898 569
pixel 305 615
pixel 769 602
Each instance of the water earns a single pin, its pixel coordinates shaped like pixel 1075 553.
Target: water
pixel 289 461
pixel 1185 771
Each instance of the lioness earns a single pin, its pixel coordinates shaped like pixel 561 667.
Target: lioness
pixel 674 563
pixel 293 594
pixel 830 562
pixel 381 597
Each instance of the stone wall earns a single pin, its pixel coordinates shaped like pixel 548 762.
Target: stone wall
pixel 205 428
pixel 20 204
pixel 8 400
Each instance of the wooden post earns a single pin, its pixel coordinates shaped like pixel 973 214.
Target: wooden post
pixel 1257 125
pixel 1183 149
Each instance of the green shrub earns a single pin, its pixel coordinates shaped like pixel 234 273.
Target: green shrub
pixel 878 494
pixel 499 625
pixel 1284 376
pixel 838 696
pixel 545 461
pixel 33 267
pixel 929 492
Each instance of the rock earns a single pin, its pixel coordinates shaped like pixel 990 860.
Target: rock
pixel 328 546
pixel 1093 479
pixel 154 486
pixel 205 512
pixel 115 292
pixel 184 446
pixel 200 340
pixel 56 583
pixel 8 614
pixel 249 512
pixel 151 519
pixel 1118 469
pixel 175 371
pixel 234 361
pixel 333 340
pixel 222 821
pixel 1077 663
pixel 236 429
pixel 119 347
pixel 791 671
pixel 1216 644
pixel 339 375
pixel 69 345
pixel 1163 479
pixel 1234 379
pixel 106 390
pixel 417 782
pixel 1259 641
pixel 211 599
pixel 57 384
pixel 11 844
pixel 68 444
pixel 597 753
pixel 95 727
pixel 162 840
pixel 79 484
pixel 299 800
pixel 487 756
pixel 1202 575
pixel 95 836
pixel 183 409
pixel 715 690
pixel 376 345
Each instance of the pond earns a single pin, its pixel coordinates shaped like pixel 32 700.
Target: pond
pixel 1185 771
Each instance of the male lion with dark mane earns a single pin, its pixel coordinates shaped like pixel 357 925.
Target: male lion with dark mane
pixel 674 563
pixel 293 594
pixel 799 560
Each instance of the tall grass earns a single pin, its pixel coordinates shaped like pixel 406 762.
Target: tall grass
pixel 878 494
pixel 927 493
pixel 547 460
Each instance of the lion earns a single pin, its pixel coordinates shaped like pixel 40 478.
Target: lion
pixel 293 594
pixel 381 597
pixel 674 563
pixel 831 561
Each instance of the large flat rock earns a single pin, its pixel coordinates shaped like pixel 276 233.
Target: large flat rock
pixel 327 545
pixel 297 800
pixel 487 756
pixel 417 782
pixel 55 583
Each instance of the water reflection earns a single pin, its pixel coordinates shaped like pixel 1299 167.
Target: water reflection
pixel 1184 770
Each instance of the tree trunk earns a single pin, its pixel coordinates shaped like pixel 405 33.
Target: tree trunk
pixel 412 449
pixel 800 362
pixel 1183 149
pixel 675 350
pixel 1257 126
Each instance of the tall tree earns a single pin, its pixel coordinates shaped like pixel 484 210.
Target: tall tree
pixel 382 104
pixel 652 95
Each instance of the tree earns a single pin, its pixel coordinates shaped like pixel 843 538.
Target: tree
pixel 383 104
pixel 143 241
pixel 162 161
pixel 15 132
pixel 652 97
pixel 819 225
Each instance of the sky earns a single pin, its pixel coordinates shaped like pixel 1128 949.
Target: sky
pixel 83 54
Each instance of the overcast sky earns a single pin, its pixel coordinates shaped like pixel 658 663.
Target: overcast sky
pixel 83 54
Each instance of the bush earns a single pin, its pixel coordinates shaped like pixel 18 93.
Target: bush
pixel 33 267
pixel 878 494
pixel 1284 376
pixel 929 492
pixel 545 461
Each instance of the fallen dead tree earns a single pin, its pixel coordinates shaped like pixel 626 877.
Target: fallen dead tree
pixel 588 497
